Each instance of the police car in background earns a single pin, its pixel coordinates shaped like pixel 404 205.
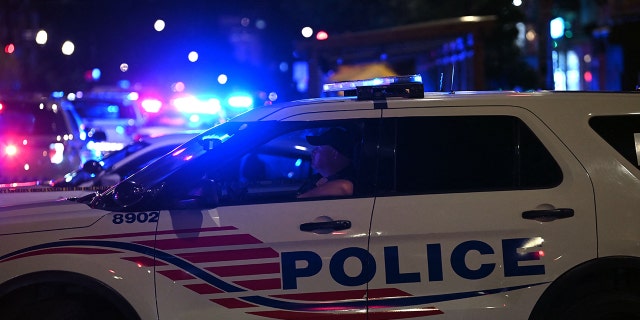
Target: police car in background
pixel 483 205
pixel 40 138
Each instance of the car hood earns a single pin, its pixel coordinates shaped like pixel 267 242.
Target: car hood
pixel 33 211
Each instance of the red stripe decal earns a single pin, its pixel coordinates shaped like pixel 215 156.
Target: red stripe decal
pixel 201 242
pixel 145 261
pixel 246 270
pixel 203 288
pixel 233 303
pixel 287 315
pixel 176 275
pixel 229 255
pixel 263 284
pixel 387 293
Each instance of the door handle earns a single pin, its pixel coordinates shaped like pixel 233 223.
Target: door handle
pixel 326 226
pixel 548 215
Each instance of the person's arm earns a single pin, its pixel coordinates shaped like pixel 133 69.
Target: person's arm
pixel 339 187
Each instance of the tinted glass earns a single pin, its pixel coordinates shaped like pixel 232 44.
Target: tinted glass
pixel 465 154
pixel 622 133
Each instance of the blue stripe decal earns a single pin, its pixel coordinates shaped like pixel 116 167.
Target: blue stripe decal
pixel 260 300
pixel 160 255
pixel 388 303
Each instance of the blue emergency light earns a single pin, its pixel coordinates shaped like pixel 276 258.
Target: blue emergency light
pixel 380 88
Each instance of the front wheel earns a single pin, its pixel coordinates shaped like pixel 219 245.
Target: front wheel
pixel 598 306
pixel 64 308
pixel 605 306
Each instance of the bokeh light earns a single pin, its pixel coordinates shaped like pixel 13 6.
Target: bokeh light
pixel 159 25
pixel 68 48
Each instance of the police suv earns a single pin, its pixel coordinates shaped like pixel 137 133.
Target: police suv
pixel 466 205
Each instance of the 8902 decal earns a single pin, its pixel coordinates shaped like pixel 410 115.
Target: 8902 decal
pixel 139 217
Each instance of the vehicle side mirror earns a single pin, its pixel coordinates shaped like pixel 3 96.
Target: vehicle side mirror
pixel 128 193
pixel 92 167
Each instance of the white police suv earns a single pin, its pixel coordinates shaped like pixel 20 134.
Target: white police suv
pixel 466 205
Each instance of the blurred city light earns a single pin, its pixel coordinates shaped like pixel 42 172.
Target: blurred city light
pixel 10 48
pixel 307 32
pixel 159 25
pixel 222 78
pixel 151 105
pixel 41 37
pixel 193 56
pixel 322 35
pixel 96 74
pixel 556 28
pixel 240 101
pixel 178 86
pixel 67 48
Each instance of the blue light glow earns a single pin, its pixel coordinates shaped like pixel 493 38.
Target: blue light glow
pixel 240 101
pixel 556 28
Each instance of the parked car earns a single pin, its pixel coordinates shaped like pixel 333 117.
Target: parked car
pixel 40 138
pixel 116 114
pixel 119 165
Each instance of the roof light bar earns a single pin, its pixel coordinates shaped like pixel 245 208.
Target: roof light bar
pixel 379 88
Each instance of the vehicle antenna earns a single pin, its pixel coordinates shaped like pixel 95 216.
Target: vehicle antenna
pixel 453 72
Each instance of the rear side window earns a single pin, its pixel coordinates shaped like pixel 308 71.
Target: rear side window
pixel 469 154
pixel 622 133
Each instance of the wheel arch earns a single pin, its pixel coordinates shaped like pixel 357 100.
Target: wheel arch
pixel 606 274
pixel 30 285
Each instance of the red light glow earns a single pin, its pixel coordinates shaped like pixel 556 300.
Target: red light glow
pixel 322 35
pixel 11 150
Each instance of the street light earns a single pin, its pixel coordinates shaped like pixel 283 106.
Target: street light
pixel 41 37
pixel 68 47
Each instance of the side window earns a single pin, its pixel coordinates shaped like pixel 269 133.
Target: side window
pixel 622 133
pixel 277 170
pixel 469 154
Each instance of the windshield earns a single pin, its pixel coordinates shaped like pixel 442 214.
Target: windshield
pixel 192 161
pixel 116 156
pixel 104 109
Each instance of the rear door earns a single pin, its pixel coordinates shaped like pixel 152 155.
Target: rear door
pixel 480 212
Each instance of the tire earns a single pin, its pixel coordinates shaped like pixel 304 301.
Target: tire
pixel 66 308
pixel 600 306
